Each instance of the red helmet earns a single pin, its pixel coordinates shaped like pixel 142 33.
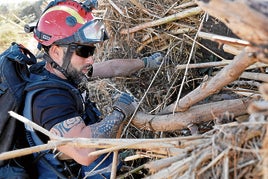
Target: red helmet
pixel 66 22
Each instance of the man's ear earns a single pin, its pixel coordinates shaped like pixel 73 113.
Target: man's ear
pixel 56 53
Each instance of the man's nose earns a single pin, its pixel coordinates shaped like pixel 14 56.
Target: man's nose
pixel 90 60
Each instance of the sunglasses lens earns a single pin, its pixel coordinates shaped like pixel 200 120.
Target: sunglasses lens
pixel 84 51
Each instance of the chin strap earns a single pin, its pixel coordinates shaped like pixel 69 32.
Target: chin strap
pixel 55 65
pixel 68 55
pixel 66 62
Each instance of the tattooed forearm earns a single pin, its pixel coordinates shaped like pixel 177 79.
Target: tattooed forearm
pixel 108 127
pixel 62 128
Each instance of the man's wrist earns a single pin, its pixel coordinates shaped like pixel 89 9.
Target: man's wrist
pixel 144 59
pixel 109 126
pixel 119 112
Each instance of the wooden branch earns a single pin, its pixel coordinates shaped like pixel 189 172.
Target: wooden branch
pixel 129 173
pixel 114 165
pixel 195 115
pixel 33 125
pixel 157 165
pixel 214 161
pixel 203 65
pixel 27 151
pixel 228 74
pixel 180 15
pixel 232 49
pixel 161 36
pixel 222 39
pixel 248 19
pixel 104 143
pixel 235 50
pixel 255 76
pixel 221 63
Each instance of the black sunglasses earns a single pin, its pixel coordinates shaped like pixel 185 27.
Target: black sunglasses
pixel 84 51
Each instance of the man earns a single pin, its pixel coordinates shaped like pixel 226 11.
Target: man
pixel 68 33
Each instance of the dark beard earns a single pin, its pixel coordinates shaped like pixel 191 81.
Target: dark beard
pixel 76 77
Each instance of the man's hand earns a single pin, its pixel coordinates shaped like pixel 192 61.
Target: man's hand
pixel 125 104
pixel 153 61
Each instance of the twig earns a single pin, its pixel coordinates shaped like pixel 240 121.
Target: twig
pixel 255 76
pixel 214 161
pixel 111 149
pixel 225 167
pixel 184 5
pixel 140 6
pixel 203 65
pixel 245 92
pixel 117 8
pixel 232 49
pixel 33 125
pixel 245 83
pixel 96 166
pixel 30 150
pixel 188 62
pixel 130 172
pixel 180 15
pixel 222 39
pixel 180 165
pixel 114 165
pixel 103 143
pixel 161 36
pixel 212 52
pixel 158 165
pixel 19 19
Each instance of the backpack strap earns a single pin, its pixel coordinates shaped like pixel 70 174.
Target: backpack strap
pixel 47 157
pixel 59 84
pixel 38 86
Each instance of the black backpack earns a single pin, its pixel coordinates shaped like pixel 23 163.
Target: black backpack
pixel 19 73
pixel 14 75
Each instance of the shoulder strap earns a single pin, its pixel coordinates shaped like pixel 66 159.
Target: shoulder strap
pixel 54 83
pixel 33 88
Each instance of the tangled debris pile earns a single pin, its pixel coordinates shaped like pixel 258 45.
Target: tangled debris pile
pixel 160 30
pixel 140 28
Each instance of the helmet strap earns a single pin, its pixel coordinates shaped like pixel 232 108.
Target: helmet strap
pixel 68 55
pixel 54 64
pixel 66 62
